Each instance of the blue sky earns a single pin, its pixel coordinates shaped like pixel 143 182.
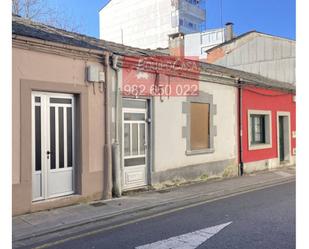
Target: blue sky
pixel 275 17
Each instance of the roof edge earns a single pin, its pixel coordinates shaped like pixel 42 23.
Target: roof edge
pixel 232 40
pixel 244 35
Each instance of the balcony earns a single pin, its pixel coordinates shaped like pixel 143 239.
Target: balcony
pixel 193 10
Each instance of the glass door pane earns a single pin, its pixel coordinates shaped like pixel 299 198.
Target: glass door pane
pixel 52 138
pixel 142 138
pixel 69 137
pixel 61 137
pixel 38 142
pixel 134 139
pixel 127 140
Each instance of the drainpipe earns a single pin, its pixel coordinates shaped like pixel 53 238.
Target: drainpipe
pixel 116 146
pixel 107 177
pixel 240 128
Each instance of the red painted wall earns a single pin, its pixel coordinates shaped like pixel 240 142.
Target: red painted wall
pixel 264 99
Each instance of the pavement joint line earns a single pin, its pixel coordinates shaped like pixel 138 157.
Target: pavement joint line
pixel 143 208
pixel 174 209
pixel 25 220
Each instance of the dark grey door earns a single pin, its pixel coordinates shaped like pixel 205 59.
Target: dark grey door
pixel 281 138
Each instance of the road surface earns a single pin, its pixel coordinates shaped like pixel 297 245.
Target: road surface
pixel 260 219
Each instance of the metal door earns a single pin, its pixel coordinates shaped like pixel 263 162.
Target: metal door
pixel 52 145
pixel 135 145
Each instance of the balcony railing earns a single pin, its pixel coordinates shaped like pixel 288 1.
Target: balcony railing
pixel 194 10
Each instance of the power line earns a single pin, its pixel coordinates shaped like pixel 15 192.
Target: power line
pixel 221 12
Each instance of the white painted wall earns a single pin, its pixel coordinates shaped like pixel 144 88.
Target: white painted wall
pixel 145 24
pixel 192 45
pixel 170 146
pixel 196 44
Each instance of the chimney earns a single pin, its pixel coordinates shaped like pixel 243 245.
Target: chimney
pixel 177 44
pixel 229 33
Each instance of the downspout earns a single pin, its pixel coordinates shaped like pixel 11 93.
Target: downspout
pixel 107 177
pixel 116 147
pixel 240 128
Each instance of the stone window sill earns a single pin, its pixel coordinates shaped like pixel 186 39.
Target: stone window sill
pixel 199 152
pixel 260 146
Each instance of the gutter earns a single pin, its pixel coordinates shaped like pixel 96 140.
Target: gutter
pixel 107 172
pixel 240 128
pixel 116 166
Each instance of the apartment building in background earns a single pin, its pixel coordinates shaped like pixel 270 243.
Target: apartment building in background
pixel 197 44
pixel 148 24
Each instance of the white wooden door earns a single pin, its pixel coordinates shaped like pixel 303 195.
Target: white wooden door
pixel 135 146
pixel 52 145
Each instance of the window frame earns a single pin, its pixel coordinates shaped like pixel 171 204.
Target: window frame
pixel 210 148
pixel 208 125
pixel 266 130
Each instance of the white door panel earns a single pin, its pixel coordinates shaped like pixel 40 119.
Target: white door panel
pixel 60 182
pixel 135 177
pixel 36 186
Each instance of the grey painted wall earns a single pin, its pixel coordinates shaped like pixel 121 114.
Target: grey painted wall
pixel 269 56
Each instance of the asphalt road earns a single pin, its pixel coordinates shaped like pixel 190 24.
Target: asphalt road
pixel 260 219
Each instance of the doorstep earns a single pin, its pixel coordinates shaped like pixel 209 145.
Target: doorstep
pixel 54 203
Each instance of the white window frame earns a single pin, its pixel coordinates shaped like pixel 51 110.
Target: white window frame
pixel 268 130
pixel 287 115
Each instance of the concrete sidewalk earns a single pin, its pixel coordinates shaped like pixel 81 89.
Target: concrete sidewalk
pixel 38 224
